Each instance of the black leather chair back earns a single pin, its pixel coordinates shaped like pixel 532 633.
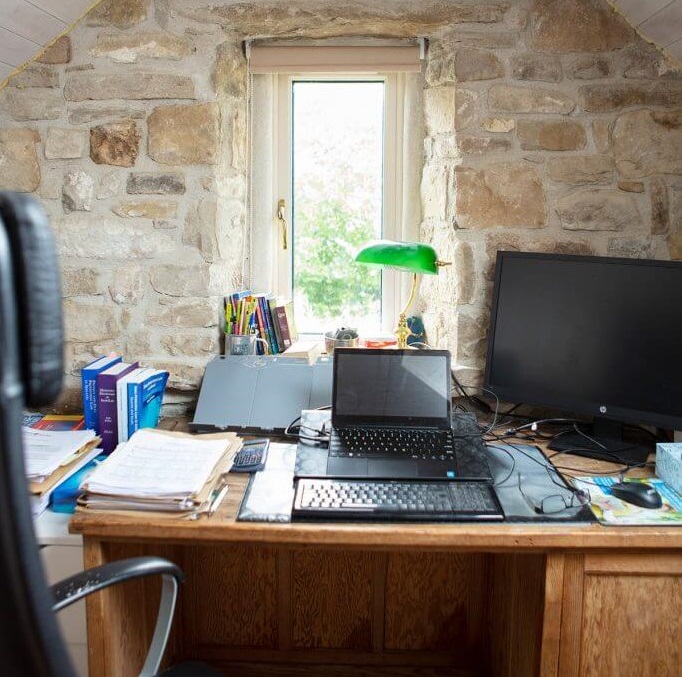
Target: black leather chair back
pixel 30 375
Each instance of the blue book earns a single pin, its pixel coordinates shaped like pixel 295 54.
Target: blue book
pixel 89 389
pixel 145 398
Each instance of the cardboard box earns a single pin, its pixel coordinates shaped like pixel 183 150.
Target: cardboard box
pixel 669 464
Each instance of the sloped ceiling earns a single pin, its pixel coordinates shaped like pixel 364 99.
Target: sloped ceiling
pixel 26 26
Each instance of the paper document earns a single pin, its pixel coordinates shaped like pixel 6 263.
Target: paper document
pixel 46 450
pixel 150 464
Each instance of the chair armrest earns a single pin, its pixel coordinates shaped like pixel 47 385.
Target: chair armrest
pixel 80 585
pixel 76 587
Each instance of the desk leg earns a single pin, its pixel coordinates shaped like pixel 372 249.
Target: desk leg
pixel 94 605
pixel 551 624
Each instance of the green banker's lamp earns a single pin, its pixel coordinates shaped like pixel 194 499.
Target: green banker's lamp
pixel 413 257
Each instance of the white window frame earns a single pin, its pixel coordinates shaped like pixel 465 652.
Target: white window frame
pixel 392 184
pixel 267 267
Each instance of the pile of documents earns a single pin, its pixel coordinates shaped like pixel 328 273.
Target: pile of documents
pixel 161 472
pixel 51 457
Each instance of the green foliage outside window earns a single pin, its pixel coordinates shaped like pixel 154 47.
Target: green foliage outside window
pixel 327 236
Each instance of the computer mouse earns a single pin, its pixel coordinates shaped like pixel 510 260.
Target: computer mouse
pixel 640 494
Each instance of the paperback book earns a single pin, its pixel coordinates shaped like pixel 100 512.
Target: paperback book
pixel 89 388
pixel 145 397
pixel 106 403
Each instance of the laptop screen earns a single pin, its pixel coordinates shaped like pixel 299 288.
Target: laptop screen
pixel 391 387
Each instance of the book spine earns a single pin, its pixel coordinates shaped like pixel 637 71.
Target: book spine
pixel 89 392
pixel 108 413
pixel 281 321
pixel 133 408
pixel 150 399
pixel 291 324
pixel 268 324
pixel 122 410
pixel 272 303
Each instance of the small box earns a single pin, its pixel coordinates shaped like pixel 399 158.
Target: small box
pixel 669 464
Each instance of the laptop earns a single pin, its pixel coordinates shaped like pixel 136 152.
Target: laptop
pixel 391 418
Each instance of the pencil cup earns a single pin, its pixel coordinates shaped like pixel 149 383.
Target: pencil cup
pixel 243 344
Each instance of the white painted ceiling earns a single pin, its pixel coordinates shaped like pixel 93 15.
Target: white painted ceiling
pixel 26 26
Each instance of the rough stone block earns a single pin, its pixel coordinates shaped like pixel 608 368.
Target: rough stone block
pixel 111 239
pixel 507 194
pixel 229 75
pixel 84 86
pixel 190 345
pixel 119 13
pixel 77 192
pixel 601 133
pixel 131 47
pixel 562 26
pixel 65 144
pixel 551 135
pixel 87 114
pixel 31 104
pixel 147 209
pixel 187 313
pixel 647 143
pixel 176 280
pixel 117 144
pixel 589 68
pixel 110 184
pixel 19 167
pixel 631 249
pixel 536 67
pixel 598 209
pixel 203 229
pixel 185 135
pixel 476 64
pixel 584 169
pixel 513 99
pixel 153 183
pixel 58 52
pixel 85 321
pixel 34 76
pixel 607 97
pixel 128 285
pixel 482 145
pixel 80 282
pixel 660 208
pixel 439 107
pixel 631 186
pixel 498 125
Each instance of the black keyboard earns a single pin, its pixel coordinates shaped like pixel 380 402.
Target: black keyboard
pixel 361 442
pixel 395 500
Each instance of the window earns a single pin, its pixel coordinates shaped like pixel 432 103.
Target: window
pixel 336 149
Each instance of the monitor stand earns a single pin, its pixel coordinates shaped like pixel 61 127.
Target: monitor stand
pixel 608 433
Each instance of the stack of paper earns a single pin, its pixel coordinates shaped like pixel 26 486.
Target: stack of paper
pixel 163 472
pixel 51 457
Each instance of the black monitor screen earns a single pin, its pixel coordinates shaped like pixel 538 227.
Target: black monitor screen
pixel 593 335
pixel 391 387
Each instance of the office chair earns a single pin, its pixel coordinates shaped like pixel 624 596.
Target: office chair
pixel 31 375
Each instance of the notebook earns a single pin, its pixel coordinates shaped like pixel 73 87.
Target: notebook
pixel 391 418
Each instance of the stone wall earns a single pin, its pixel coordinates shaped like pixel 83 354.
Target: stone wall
pixel 551 126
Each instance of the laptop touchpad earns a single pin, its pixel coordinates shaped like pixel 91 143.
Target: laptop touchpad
pixel 388 468
pixel 346 467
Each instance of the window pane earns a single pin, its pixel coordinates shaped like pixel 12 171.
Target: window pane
pixel 337 202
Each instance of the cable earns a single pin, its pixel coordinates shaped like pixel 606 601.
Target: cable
pixel 513 460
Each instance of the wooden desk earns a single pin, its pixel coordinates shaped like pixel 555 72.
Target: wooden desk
pixel 433 600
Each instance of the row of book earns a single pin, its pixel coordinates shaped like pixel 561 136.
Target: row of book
pixel 269 317
pixel 120 398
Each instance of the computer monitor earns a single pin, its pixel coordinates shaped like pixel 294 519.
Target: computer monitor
pixel 593 336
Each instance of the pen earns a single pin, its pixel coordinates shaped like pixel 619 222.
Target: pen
pixel 217 499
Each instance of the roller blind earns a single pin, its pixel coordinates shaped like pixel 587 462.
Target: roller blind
pixel 334 59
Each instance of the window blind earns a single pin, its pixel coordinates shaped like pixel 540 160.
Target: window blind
pixel 334 59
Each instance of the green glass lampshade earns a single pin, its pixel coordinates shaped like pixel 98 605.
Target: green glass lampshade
pixel 413 257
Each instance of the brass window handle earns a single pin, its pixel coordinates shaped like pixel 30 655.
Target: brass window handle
pixel 281 210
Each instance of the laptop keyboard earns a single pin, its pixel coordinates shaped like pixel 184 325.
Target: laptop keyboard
pixel 422 444
pixel 400 500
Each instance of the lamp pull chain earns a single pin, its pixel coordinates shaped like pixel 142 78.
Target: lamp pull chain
pixel 281 210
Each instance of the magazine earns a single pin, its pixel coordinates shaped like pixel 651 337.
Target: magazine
pixel 611 510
